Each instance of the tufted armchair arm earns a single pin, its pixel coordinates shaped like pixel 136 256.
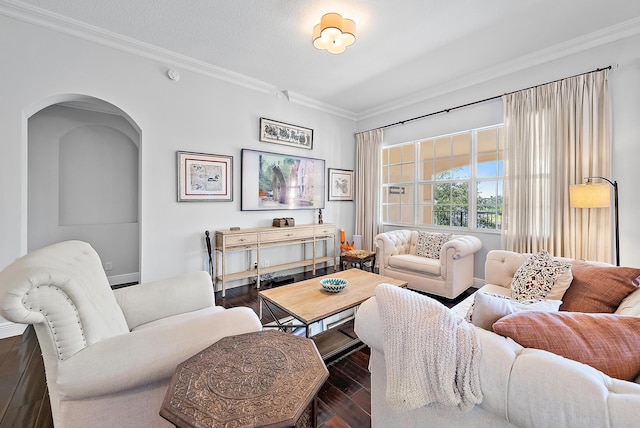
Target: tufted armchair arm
pixel 456 249
pixel 393 243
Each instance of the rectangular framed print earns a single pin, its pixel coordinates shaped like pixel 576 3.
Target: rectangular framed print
pixel 272 131
pixel 273 181
pixel 340 185
pixel 204 177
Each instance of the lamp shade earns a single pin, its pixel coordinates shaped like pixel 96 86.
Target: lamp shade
pixel 590 195
pixel 334 33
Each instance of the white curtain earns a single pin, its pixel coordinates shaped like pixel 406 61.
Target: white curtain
pixel 556 135
pixel 367 183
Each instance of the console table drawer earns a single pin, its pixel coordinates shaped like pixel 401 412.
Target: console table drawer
pixel 240 240
pixel 325 230
pixel 286 235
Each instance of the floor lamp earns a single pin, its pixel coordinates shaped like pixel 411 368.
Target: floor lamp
pixel 597 195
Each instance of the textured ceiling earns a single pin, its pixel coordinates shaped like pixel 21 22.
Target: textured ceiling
pixel 403 47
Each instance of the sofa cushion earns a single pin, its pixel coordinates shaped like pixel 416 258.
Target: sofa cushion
pixel 606 342
pixel 538 275
pixel 599 288
pixel 415 263
pixel 488 308
pixel 429 244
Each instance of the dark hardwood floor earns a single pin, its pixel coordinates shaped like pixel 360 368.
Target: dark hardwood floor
pixel 344 401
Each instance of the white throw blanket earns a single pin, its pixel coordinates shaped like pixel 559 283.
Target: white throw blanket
pixel 432 355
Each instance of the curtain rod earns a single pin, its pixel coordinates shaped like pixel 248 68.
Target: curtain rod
pixel 447 110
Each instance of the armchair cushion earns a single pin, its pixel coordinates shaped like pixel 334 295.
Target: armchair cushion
pixel 415 263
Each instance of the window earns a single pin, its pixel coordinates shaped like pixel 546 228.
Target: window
pixel 451 181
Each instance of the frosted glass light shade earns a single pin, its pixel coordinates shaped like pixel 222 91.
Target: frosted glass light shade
pixel 590 195
pixel 334 33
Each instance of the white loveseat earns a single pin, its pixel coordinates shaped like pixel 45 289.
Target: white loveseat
pixel 448 276
pixel 522 387
pixel 109 356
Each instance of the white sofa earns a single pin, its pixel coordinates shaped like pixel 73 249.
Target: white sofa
pixel 522 387
pixel 109 355
pixel 449 276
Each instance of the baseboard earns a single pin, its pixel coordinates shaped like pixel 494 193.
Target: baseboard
pixel 9 329
pixel 124 279
pixel 478 283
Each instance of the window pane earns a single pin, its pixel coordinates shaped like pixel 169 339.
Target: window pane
pixel 408 153
pixel 407 214
pixel 385 157
pixel 443 169
pixel 394 213
pixel 425 193
pixel 395 174
pixel 426 149
pixel 487 141
pixel 394 155
pixel 426 214
pixel 407 172
pixel 426 169
pixel 443 147
pixel 487 166
pixel 461 167
pixel 406 196
pixel 462 144
pixel 385 175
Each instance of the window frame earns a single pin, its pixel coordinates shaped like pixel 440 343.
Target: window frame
pixel 473 181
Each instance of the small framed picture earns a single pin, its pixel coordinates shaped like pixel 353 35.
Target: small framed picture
pixel 204 177
pixel 272 131
pixel 340 185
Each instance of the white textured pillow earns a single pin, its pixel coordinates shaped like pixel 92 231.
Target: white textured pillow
pixel 488 308
pixel 538 275
pixel 429 244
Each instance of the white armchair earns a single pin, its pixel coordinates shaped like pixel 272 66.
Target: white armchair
pixel 448 276
pixel 109 356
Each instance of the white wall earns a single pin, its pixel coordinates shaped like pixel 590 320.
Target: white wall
pixel 198 113
pixel 625 95
pixel 83 184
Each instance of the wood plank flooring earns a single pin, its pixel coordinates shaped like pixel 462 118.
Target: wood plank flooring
pixel 344 400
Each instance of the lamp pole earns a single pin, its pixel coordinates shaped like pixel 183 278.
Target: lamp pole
pixel 615 207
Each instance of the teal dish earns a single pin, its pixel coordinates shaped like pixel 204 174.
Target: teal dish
pixel 333 285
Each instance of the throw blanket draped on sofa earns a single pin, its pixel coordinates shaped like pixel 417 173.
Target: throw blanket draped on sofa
pixel 432 355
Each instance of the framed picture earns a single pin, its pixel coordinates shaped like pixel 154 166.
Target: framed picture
pixel 283 133
pixel 204 177
pixel 272 181
pixel 340 185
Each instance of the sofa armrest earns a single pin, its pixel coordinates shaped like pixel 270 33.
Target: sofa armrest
pixel 150 301
pixel 368 324
pixel 146 356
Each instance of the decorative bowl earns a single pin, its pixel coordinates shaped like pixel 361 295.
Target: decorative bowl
pixel 333 285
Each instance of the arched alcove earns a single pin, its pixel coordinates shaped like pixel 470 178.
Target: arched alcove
pixel 83 181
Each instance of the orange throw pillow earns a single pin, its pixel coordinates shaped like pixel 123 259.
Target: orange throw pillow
pixel 606 342
pixel 599 288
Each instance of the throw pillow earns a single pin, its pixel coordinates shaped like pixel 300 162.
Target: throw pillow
pixel 488 308
pixel 537 276
pixel 429 244
pixel 599 288
pixel 606 342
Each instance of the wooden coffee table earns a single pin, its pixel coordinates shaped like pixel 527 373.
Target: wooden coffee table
pixel 308 303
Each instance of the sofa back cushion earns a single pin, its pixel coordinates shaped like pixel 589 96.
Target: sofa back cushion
pixel 606 342
pixel 599 288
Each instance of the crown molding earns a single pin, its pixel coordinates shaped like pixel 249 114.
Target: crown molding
pixel 313 103
pixel 65 25
pixel 607 35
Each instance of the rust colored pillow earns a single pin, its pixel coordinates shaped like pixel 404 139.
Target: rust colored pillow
pixel 599 288
pixel 606 342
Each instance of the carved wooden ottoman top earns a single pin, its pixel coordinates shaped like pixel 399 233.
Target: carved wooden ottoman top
pixel 265 378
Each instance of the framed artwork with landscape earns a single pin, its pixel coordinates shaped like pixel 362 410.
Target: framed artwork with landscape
pixel 273 181
pixel 204 177
pixel 340 185
pixel 272 131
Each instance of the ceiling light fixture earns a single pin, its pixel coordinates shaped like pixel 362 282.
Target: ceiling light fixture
pixel 334 33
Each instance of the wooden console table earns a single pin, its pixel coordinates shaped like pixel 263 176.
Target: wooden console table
pixel 261 238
